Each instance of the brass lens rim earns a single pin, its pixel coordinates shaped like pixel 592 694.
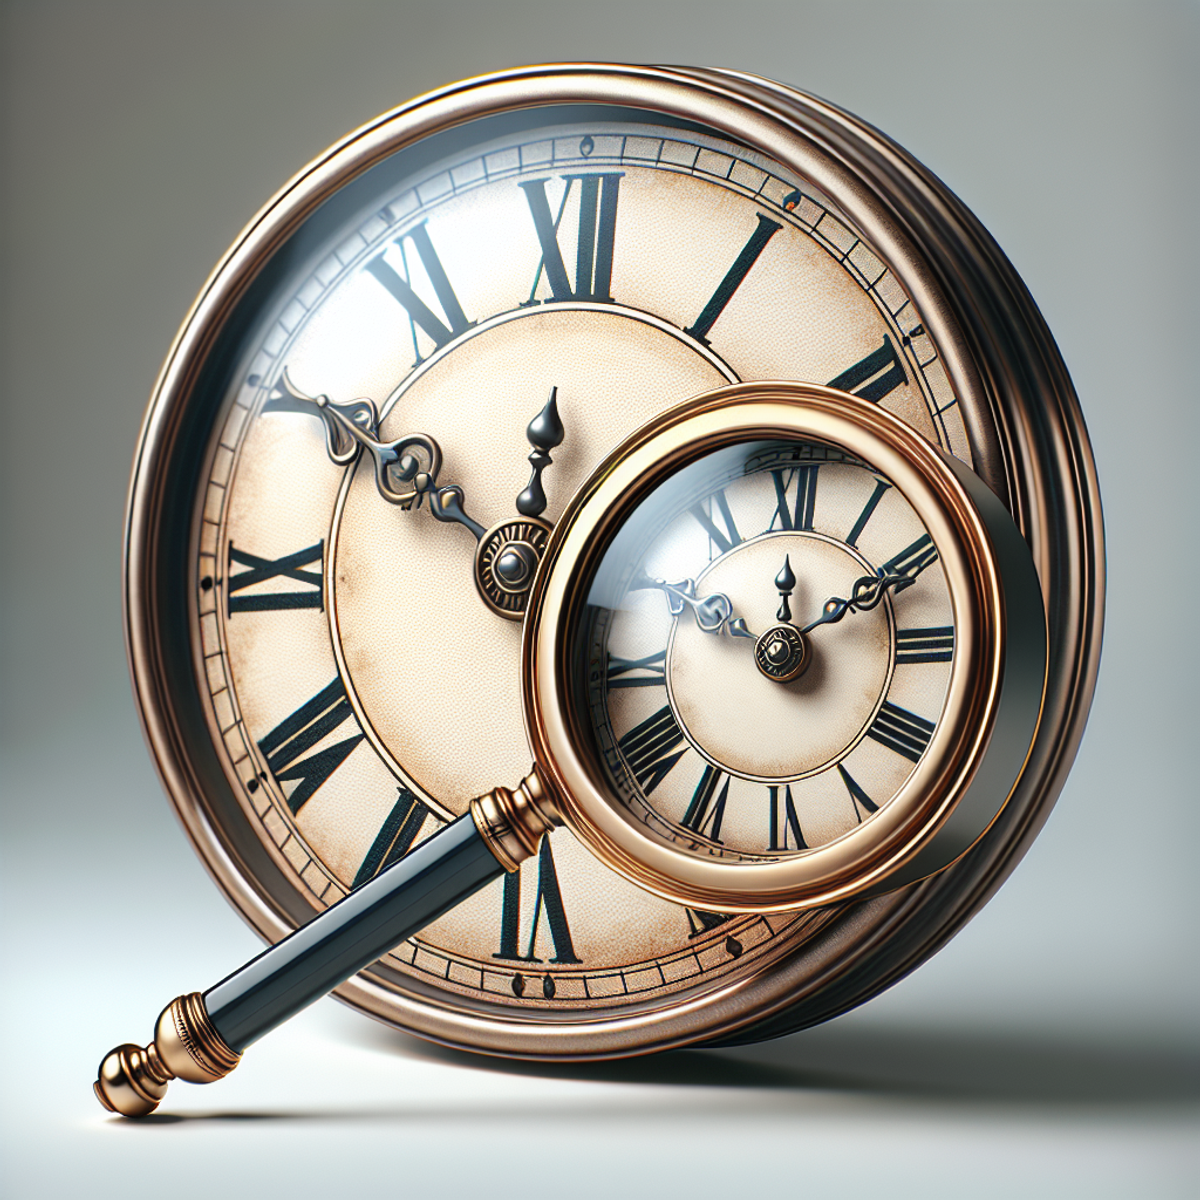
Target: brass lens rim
pixel 865 858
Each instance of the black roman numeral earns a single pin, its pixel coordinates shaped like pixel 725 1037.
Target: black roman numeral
pixel 857 795
pixel 757 243
pixel 653 748
pixel 285 744
pixel 902 731
pixel 419 313
pixel 396 836
pixel 724 536
pixel 935 644
pixel 637 672
pixel 873 377
pixel 881 486
pixel 548 902
pixel 913 559
pixel 795 513
pixel 706 811
pixel 259 570
pixel 784 820
pixel 594 247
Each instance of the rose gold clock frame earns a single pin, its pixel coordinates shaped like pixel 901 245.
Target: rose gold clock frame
pixel 1033 453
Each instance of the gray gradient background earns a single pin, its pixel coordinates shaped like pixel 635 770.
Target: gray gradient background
pixel 1053 1049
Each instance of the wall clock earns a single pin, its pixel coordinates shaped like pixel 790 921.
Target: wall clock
pixel 383 402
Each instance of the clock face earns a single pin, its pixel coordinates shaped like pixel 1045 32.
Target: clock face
pixel 775 636
pixel 359 689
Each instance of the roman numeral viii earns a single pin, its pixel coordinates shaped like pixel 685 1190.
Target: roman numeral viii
pixel 285 745
pixel 396 836
pixel 259 570
pixel 594 244
pixel 400 287
pixel 652 748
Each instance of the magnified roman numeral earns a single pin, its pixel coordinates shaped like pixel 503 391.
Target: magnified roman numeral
pixel 706 810
pixel 935 644
pixel 868 511
pixel 717 521
pixel 755 245
pixel 653 748
pixel 784 820
pixel 294 735
pixel 400 286
pixel 873 377
pixel 395 837
pixel 548 903
pixel 594 245
pixel 795 497
pixel 857 795
pixel 259 570
pixel 900 730
pixel 637 672
pixel 913 559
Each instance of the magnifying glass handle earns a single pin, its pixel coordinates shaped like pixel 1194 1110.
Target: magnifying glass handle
pixel 200 1037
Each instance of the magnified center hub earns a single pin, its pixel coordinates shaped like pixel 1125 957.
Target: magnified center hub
pixel 515 565
pixel 789 704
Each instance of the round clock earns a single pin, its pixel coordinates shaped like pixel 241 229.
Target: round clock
pixel 378 412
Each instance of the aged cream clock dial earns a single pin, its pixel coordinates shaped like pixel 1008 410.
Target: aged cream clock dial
pixel 382 405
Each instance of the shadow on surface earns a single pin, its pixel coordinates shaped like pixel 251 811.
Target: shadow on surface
pixel 911 1064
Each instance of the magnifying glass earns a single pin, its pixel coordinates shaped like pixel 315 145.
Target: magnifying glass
pixel 781 652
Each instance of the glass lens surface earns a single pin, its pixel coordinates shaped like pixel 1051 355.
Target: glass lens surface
pixel 767 647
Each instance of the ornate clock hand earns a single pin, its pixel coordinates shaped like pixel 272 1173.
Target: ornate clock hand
pixel 406 469
pixel 713 612
pixel 782 652
pixel 544 432
pixel 867 592
pixel 785 581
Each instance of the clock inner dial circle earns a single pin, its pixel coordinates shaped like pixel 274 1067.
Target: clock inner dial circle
pixel 757 727
pixel 400 579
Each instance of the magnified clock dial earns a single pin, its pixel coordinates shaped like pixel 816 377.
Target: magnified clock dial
pixel 798 714
pixel 377 413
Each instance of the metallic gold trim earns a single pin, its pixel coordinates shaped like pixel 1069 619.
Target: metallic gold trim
pixel 974 728
pixel 512 823
pixel 132 1081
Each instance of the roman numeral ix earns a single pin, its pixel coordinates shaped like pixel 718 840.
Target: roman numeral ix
pixel 259 570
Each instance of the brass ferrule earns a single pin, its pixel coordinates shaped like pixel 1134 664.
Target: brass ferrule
pixel 513 822
pixel 132 1081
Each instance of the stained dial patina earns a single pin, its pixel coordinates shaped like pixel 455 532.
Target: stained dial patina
pixel 358 688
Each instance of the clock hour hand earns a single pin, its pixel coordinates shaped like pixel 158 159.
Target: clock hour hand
pixel 406 469
pixel 713 612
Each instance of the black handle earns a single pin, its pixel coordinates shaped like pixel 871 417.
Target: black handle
pixel 351 934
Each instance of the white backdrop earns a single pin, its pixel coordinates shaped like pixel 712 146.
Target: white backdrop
pixel 1053 1049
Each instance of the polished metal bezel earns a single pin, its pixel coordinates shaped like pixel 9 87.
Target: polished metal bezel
pixel 1028 442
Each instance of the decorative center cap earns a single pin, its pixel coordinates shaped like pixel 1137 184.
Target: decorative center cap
pixel 782 653
pixel 506 562
pixel 515 565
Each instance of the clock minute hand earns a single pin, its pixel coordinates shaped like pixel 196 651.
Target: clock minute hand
pixel 406 469
pixel 867 592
